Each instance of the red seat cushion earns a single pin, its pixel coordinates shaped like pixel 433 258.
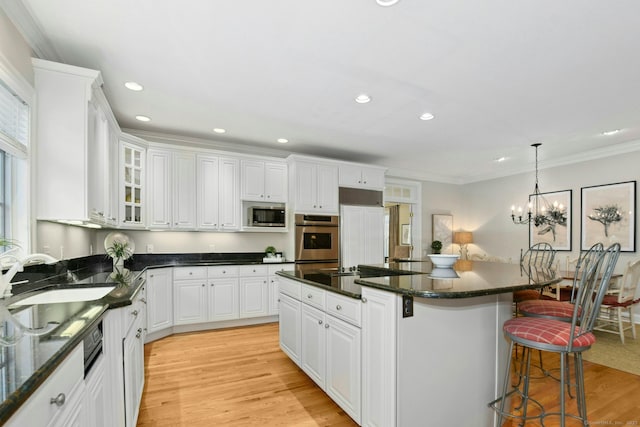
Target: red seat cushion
pixel 547 308
pixel 612 301
pixel 536 330
pixel 525 295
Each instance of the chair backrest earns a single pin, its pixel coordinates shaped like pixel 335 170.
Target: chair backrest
pixel 593 285
pixel 629 283
pixel 585 259
pixel 538 255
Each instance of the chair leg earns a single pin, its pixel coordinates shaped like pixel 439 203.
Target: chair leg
pixel 633 325
pixel 505 384
pixel 563 363
pixel 582 403
pixel 525 391
pixel 620 324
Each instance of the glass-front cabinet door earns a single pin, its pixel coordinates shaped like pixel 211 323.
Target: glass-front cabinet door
pixel 132 176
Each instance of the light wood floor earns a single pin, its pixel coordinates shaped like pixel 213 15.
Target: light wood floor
pixel 240 377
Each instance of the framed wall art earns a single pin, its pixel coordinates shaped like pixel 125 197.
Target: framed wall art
pixel 555 227
pixel 442 229
pixel 405 239
pixel 608 215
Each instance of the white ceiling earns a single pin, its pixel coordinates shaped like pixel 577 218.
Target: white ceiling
pixel 497 74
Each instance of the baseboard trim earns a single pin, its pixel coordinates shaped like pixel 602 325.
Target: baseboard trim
pixel 196 327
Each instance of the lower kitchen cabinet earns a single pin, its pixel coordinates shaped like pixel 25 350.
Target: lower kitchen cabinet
pixel 65 384
pixel 330 355
pixel 290 327
pixel 254 297
pixel 223 299
pixel 133 355
pixel 322 335
pixel 95 400
pixel 159 299
pixel 190 301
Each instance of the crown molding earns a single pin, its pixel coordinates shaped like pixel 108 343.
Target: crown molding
pixel 30 29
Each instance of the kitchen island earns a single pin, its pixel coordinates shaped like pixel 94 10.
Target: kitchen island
pixel 431 350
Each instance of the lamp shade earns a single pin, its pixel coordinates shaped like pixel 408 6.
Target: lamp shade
pixel 462 237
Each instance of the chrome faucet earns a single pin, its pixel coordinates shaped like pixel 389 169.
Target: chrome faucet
pixel 18 266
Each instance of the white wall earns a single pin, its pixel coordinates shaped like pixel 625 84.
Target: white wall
pixel 484 207
pixel 14 48
pixel 64 241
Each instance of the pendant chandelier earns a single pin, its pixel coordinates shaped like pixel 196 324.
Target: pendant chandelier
pixel 539 210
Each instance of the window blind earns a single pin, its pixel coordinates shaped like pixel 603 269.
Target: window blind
pixel 14 122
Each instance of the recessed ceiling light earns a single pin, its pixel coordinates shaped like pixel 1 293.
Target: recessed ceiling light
pixel 426 116
pixel 143 118
pixel 500 159
pixel 387 2
pixel 363 98
pixel 219 130
pixel 282 140
pixel 611 132
pixel 133 86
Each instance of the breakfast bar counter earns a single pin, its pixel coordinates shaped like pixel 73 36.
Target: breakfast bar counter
pixel 431 348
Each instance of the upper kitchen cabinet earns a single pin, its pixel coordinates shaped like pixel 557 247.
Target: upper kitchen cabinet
pixel 313 185
pixel 133 153
pixel 263 181
pixel 171 183
pixel 361 176
pixel 218 189
pixel 77 145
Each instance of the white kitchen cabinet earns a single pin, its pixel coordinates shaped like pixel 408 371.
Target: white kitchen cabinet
pixel 379 355
pixel 74 157
pixel 171 189
pixel 263 181
pixel 223 299
pixel 361 235
pixel 330 355
pixel 65 383
pixel 95 401
pixel 184 190
pixel 315 187
pixel 313 354
pixel 218 193
pixel 159 200
pixel 131 197
pixel 190 301
pixel 254 291
pixel 361 176
pixel 159 299
pixel 290 326
pixel 133 369
pixel 229 195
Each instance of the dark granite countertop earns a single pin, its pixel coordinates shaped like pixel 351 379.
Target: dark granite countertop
pixel 26 363
pixel 485 278
pixel 420 279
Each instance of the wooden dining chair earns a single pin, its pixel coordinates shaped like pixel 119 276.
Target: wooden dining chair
pixel 619 300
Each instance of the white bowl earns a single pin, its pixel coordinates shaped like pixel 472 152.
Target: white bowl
pixel 443 273
pixel 443 261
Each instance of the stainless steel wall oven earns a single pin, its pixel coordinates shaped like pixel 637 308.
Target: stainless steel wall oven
pixel 317 240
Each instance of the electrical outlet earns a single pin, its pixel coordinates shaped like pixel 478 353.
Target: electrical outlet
pixel 149 248
pixel 407 306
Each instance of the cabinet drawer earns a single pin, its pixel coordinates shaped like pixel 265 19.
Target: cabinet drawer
pixel 345 308
pixel 289 287
pixel 313 296
pixel 186 273
pixel 253 270
pixel 38 410
pixel 223 271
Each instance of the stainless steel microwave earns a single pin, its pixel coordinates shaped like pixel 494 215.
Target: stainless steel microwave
pixel 260 216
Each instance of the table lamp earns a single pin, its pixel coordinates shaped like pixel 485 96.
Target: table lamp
pixel 463 238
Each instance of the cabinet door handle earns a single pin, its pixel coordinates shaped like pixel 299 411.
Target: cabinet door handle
pixel 190 273
pixel 363 299
pixel 212 284
pixel 338 307
pixel 143 300
pixel 319 322
pixel 309 296
pixel 139 333
pixel 326 326
pixel 203 285
pixel 58 400
pixel 134 312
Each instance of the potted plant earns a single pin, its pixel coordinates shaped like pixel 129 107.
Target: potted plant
pixel 270 251
pixel 436 246
pixel 119 251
